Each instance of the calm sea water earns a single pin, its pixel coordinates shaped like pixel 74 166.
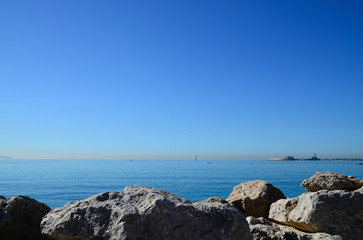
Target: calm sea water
pixel 56 182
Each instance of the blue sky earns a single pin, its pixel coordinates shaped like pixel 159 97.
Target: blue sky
pixel 175 79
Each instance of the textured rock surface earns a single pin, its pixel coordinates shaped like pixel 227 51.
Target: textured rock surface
pixel 263 229
pixel 145 213
pixel 255 197
pixel 20 218
pixel 331 181
pixel 334 212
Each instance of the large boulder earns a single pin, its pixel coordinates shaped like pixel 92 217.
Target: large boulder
pixel 331 181
pixel 263 229
pixel 20 218
pixel 145 213
pixel 255 197
pixel 335 212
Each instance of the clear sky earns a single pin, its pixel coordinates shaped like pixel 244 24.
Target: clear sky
pixel 175 79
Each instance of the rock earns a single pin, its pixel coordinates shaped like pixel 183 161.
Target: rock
pixel 255 197
pixel 145 213
pixel 20 218
pixel 331 181
pixel 335 212
pixel 263 229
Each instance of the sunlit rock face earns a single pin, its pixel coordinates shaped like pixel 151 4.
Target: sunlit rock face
pixel 146 213
pixel 331 181
pixel 335 212
pixel 255 197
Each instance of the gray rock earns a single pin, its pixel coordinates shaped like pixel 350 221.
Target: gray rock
pixel 263 229
pixel 20 218
pixel 335 212
pixel 331 181
pixel 255 197
pixel 145 213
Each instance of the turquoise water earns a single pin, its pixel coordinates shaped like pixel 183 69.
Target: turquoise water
pixel 56 182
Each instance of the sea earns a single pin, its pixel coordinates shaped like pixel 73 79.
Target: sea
pixel 56 182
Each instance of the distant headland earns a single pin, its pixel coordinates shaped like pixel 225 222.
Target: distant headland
pixel 5 157
pixel 313 158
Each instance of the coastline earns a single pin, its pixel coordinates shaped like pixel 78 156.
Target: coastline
pixel 325 159
pixel 253 209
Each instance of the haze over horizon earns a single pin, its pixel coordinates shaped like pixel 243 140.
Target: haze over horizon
pixel 178 79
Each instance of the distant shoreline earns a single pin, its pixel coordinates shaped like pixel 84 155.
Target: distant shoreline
pixel 328 159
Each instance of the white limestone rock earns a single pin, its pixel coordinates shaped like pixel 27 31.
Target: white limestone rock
pixel 145 213
pixel 331 181
pixel 334 212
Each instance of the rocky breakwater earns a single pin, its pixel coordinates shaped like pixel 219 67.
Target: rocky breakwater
pixel 332 209
pixel 336 211
pixel 145 213
pixel 254 199
pixel 20 218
